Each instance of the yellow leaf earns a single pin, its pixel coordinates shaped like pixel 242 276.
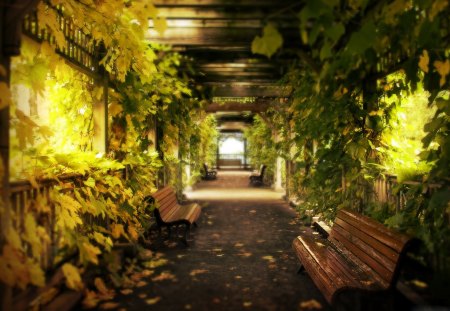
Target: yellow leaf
pixel 133 233
pixel 104 292
pixel 197 271
pixel 126 291
pixel 73 278
pixel 424 61
pixel 89 252
pixel 117 230
pixel 37 276
pixel 5 95
pixel 90 300
pixel 443 68
pixel 437 7
pixel 310 304
pixel 160 25
pixel 13 238
pixel 31 235
pixel 152 301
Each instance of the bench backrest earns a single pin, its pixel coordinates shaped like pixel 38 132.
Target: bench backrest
pixel 166 200
pixel 262 169
pixel 371 242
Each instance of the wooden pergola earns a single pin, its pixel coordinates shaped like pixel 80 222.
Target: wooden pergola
pixel 218 35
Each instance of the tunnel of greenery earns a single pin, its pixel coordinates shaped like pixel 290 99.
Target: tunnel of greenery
pixel 99 116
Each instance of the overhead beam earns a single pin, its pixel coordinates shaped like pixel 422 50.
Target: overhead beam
pixel 191 36
pixel 249 89
pixel 260 105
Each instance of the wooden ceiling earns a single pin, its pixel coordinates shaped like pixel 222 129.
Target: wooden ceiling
pixel 218 34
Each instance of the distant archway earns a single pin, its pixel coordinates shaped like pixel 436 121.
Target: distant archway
pixel 232 150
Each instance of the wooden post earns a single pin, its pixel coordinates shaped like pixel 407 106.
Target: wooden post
pixel 100 111
pixel 11 16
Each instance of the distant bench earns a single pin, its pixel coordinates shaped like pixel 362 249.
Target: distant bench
pixel 359 253
pixel 169 213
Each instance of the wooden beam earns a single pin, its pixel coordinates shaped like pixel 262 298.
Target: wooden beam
pixel 260 105
pixel 188 36
pixel 249 89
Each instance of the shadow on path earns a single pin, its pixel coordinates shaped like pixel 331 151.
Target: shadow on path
pixel 240 256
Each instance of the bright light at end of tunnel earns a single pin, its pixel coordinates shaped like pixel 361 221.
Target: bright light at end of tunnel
pixel 232 146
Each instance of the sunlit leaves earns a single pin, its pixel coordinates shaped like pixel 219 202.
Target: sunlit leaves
pixel 424 61
pixel 73 277
pixel 269 43
pixel 443 68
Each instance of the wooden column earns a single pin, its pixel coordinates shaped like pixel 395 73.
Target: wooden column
pixel 100 111
pixel 11 15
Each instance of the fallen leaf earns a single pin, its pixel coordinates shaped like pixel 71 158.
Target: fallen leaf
pixel 238 277
pixel 90 300
pixel 141 284
pixel 126 291
pixel 252 211
pixel 246 254
pixel 238 245
pixel 197 271
pixel 188 307
pixel 164 276
pixel 143 295
pixel 155 263
pixel 269 258
pixel 152 301
pixel 216 300
pixel 310 304
pixel 247 304
pixel 419 284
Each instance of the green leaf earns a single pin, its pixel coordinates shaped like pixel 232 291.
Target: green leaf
pixel 325 52
pixel 335 32
pixel 269 43
pixel 363 39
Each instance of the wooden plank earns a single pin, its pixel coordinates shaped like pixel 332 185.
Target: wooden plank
pixel 389 237
pixel 368 250
pixel 384 273
pixel 369 241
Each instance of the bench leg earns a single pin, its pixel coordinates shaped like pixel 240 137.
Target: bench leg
pixel 301 269
pixel 195 224
pixel 169 231
pixel 186 234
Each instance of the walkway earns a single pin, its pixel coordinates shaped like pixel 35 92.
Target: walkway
pixel 240 256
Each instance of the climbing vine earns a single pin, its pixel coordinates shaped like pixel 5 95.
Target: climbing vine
pixel 365 63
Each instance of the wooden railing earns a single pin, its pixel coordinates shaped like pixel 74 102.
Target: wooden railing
pixel 25 199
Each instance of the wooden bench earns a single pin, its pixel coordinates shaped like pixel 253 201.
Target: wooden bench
pixel 257 177
pixel 359 254
pixel 169 213
pixel 209 174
